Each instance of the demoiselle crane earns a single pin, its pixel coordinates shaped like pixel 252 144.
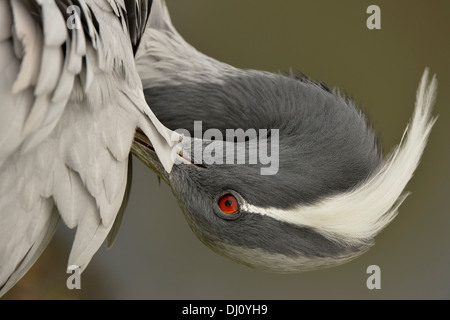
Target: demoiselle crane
pixel 76 100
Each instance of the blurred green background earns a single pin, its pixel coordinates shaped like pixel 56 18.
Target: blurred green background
pixel 156 256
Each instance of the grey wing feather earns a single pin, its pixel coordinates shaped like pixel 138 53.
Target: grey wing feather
pixel 71 101
pixel 112 236
pixel 138 14
pixel 41 242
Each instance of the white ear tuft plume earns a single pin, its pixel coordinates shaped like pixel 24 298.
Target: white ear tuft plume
pixel 356 217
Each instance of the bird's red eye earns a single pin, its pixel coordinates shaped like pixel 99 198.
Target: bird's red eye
pixel 228 204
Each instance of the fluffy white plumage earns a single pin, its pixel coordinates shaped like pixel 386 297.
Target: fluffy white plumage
pixel 68 119
pixel 67 123
pixel 352 218
pixel 340 217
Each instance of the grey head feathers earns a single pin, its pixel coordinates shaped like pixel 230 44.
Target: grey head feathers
pixel 326 149
pixel 326 145
pixel 333 192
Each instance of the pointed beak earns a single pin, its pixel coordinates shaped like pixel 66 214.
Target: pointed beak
pixel 158 147
pixel 145 151
pixel 163 141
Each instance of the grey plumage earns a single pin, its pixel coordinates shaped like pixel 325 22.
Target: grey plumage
pixel 326 148
pixel 73 99
pixel 326 144
pixel 333 192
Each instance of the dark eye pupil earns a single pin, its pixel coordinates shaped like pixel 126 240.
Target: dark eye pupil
pixel 228 204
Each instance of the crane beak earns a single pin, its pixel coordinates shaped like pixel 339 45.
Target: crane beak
pixel 145 151
pixel 155 157
pixel 157 146
pixel 163 141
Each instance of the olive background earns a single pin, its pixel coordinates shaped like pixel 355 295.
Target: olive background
pixel 156 255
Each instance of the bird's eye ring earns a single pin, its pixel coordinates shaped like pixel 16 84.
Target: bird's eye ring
pixel 228 205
